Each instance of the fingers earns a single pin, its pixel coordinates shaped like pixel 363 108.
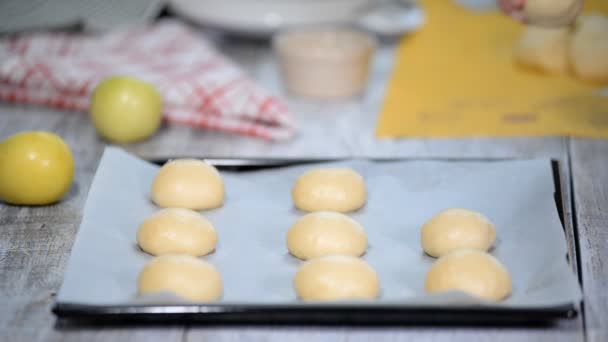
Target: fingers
pixel 518 4
pixel 505 5
pixel 513 8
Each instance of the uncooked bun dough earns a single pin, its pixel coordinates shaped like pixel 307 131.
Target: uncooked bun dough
pixel 589 48
pixel 185 276
pixel 177 231
pixel 454 229
pixel 331 189
pixel 336 277
pixel 551 12
pixel 476 273
pixel 188 183
pixel 326 233
pixel 545 49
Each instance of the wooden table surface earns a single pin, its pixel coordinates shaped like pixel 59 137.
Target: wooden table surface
pixel 35 242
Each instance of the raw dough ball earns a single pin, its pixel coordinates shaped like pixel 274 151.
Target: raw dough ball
pixel 185 276
pixel 188 183
pixel 454 229
pixel 326 233
pixel 177 231
pixel 333 189
pixel 589 48
pixel 551 12
pixel 476 273
pixel 545 49
pixel 336 277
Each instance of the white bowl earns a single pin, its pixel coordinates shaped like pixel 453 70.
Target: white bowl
pixel 265 17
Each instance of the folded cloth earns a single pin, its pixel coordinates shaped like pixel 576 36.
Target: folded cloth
pixel 200 87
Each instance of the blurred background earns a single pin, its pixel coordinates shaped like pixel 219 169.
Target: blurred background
pixel 290 70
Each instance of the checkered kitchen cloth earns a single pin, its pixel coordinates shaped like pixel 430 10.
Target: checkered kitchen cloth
pixel 200 87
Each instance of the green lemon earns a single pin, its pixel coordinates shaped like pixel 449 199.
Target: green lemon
pixel 125 109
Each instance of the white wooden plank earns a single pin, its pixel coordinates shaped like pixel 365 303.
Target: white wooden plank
pixel 590 180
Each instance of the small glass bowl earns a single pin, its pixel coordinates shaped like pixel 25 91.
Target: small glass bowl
pixel 325 62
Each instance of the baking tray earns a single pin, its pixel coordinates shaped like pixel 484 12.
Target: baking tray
pixel 221 313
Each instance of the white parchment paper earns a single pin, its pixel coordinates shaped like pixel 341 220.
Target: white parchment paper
pixel 252 255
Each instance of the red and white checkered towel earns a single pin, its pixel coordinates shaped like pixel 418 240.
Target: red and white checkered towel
pixel 199 86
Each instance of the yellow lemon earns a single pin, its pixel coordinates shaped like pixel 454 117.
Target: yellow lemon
pixel 125 109
pixel 36 168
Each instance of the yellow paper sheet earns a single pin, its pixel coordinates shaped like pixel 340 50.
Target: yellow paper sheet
pixel 456 77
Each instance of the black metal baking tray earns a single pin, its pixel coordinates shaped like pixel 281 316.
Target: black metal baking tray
pixel 269 314
pixel 318 314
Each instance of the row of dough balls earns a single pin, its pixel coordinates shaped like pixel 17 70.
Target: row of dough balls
pixel 331 242
pixel 197 185
pixel 582 48
pixel 460 239
pixel 177 235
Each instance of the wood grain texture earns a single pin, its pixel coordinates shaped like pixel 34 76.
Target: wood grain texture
pixel 452 334
pixel 590 183
pixel 36 242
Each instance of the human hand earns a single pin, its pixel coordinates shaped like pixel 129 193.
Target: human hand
pixel 513 8
pixel 542 13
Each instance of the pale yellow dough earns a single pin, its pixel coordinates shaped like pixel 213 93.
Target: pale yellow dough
pixel 329 189
pixel 476 273
pixel 334 277
pixel 454 229
pixel 185 276
pixel 589 48
pixel 177 231
pixel 551 12
pixel 188 183
pixel 326 233
pixel 545 49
